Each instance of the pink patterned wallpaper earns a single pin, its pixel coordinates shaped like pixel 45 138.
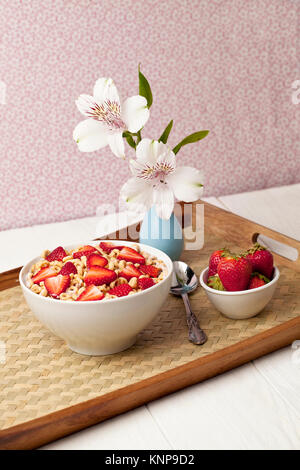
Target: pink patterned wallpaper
pixel 227 66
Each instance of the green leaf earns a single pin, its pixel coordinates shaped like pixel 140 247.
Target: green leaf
pixel 144 89
pixel 190 139
pixel 164 137
pixel 130 140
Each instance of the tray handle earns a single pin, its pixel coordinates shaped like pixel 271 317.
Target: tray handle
pixel 285 250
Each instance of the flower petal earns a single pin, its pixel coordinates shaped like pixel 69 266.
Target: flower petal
pixel 148 151
pixel 137 194
pixel 186 183
pixel 137 167
pixel 167 158
pixel 85 104
pixel 105 89
pixel 163 198
pixel 135 113
pixel 115 141
pixel 90 135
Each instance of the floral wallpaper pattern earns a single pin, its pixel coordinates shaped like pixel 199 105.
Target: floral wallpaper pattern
pixel 223 65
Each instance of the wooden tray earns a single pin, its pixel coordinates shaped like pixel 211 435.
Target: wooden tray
pixel 47 391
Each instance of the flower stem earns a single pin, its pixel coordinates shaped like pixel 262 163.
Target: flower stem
pixel 130 140
pixel 139 137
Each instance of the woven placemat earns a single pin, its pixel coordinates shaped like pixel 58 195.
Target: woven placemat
pixel 41 375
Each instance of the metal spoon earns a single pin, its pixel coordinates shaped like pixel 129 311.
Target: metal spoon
pixel 184 281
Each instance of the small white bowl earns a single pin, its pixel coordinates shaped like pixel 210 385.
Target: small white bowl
pixel 240 304
pixel 100 327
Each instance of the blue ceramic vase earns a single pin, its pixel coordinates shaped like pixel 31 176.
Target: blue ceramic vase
pixel 166 235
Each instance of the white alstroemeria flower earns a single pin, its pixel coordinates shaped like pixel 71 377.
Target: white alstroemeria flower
pixel 108 119
pixel 157 181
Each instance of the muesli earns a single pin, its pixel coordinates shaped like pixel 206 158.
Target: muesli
pixel 105 271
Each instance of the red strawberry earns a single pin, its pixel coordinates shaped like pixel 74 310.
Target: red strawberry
pixel 97 275
pixel 90 293
pixel 43 274
pixel 215 282
pixel 234 272
pixel 214 260
pixel 57 255
pixel 258 280
pixel 57 285
pixel 145 282
pixel 84 251
pixel 153 271
pixel 130 271
pixel 121 290
pixel 108 247
pixel 129 254
pixel 96 260
pixel 261 260
pixel 68 268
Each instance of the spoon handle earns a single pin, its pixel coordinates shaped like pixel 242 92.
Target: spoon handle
pixel 196 334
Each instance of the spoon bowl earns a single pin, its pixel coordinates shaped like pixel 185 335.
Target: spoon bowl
pixel 184 280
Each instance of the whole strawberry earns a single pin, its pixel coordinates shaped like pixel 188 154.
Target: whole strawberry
pixel 215 282
pixel 214 260
pixel 261 260
pixel 234 272
pixel 258 280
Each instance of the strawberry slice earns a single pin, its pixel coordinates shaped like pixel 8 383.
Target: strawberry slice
pixel 68 268
pixel 153 271
pixel 90 293
pixel 57 285
pixel 43 274
pixel 98 275
pixel 129 254
pixel 84 251
pixel 96 260
pixel 121 291
pixel 145 283
pixel 108 247
pixel 57 255
pixel 130 271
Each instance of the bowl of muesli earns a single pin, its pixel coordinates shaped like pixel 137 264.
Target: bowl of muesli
pixel 97 296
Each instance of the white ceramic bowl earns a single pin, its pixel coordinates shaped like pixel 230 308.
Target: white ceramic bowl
pixel 100 327
pixel 241 304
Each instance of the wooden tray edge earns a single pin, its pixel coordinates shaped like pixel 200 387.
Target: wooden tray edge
pixel 48 428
